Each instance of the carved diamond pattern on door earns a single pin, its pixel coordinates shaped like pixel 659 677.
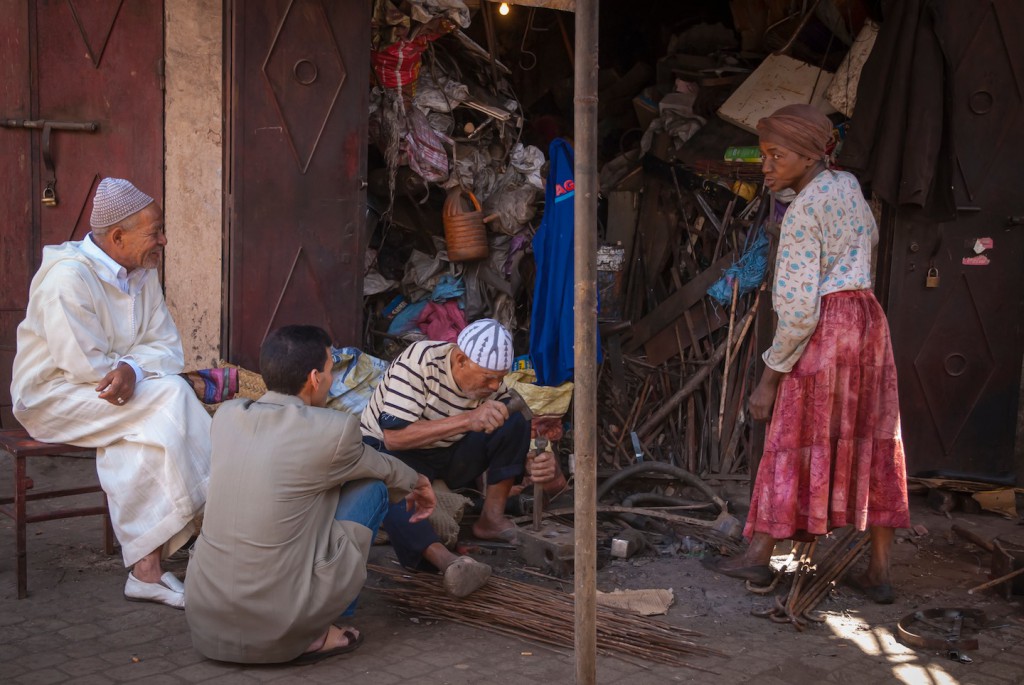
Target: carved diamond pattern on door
pixel 299 296
pixel 988 111
pixel 81 197
pixel 955 363
pixel 95 20
pixel 305 72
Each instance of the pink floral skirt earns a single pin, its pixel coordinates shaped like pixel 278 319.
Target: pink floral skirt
pixel 833 455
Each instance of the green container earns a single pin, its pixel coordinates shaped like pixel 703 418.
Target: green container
pixel 742 154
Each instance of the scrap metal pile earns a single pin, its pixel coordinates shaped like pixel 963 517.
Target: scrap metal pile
pixel 456 196
pixel 675 382
pixel 453 191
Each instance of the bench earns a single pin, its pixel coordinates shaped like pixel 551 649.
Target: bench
pixel 20 446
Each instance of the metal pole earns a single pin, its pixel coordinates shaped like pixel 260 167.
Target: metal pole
pixel 585 340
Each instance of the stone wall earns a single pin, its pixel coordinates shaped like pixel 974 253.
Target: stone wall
pixel 194 178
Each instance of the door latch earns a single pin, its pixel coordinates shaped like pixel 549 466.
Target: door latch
pixel 49 198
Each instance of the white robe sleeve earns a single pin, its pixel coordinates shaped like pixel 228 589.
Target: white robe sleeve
pixel 158 351
pixel 73 327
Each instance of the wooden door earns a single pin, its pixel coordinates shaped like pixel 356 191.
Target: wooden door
pixel 73 62
pixel 959 345
pixel 296 160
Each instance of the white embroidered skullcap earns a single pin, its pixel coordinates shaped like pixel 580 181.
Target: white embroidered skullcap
pixel 116 199
pixel 488 344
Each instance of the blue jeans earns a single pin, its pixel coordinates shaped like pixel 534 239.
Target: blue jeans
pixel 364 502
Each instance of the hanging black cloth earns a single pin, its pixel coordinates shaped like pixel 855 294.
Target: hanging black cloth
pixel 901 139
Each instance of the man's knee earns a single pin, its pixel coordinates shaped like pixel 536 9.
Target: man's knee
pixel 363 501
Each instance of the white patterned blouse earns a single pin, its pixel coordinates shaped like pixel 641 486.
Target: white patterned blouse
pixel 825 247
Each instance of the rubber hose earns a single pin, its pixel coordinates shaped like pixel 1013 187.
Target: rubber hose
pixel 659 467
pixel 655 498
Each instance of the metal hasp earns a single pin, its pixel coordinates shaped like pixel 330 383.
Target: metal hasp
pixel 942 630
pixel 49 198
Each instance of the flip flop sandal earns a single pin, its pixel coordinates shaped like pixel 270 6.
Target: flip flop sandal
pixel 319 655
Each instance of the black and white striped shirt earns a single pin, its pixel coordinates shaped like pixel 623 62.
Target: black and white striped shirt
pixel 418 385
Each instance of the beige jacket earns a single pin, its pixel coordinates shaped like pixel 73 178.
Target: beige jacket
pixel 272 568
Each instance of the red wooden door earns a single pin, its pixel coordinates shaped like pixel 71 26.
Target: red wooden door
pixel 958 346
pixel 70 61
pixel 297 156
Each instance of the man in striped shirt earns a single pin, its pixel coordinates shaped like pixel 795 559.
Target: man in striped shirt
pixel 439 409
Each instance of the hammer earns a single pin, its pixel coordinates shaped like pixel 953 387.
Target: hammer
pixel 516 403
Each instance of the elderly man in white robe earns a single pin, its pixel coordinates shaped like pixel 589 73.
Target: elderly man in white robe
pixel 96 366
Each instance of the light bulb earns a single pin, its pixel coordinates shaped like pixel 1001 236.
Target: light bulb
pixel 503 9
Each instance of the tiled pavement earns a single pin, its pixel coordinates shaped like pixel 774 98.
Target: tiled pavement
pixel 75 626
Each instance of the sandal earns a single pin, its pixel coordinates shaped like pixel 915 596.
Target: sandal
pixel 354 640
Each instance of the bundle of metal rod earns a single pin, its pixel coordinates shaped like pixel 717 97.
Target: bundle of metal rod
pixel 537 614
pixel 815 578
pixel 690 410
pixel 679 365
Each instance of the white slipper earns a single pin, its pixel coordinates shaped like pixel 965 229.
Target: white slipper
pixel 169 591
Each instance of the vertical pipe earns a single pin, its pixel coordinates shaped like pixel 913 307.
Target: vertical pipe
pixel 585 340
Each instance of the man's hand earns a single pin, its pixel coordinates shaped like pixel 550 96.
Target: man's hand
pixel 542 468
pixel 118 386
pixel 421 499
pixel 488 417
pixel 763 398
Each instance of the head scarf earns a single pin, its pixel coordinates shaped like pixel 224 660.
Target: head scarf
pixel 116 199
pixel 800 128
pixel 488 344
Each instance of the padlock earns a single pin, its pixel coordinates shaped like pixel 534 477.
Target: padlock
pixel 932 279
pixel 49 196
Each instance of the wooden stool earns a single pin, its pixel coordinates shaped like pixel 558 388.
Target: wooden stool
pixel 20 445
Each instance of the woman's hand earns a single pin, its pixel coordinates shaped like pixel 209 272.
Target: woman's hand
pixel 763 397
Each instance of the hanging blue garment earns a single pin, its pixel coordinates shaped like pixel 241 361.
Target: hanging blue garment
pixel 551 322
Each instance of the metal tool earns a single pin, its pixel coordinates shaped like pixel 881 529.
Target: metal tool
pixel 1006 564
pixel 541 444
pixel 947 628
pixel 548 545
pixel 638 451
pixel 516 403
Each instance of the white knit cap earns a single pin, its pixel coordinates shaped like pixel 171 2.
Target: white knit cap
pixel 488 344
pixel 116 199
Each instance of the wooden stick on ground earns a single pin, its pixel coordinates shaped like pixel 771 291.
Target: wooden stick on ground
pixel 996 581
pixel 728 356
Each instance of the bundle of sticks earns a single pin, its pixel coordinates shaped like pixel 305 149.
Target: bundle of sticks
pixel 813 578
pixel 537 614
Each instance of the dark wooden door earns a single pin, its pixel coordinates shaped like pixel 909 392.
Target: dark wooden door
pixel 70 61
pixel 958 346
pixel 297 157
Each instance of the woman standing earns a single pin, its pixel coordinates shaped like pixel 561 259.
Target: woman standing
pixel 833 454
